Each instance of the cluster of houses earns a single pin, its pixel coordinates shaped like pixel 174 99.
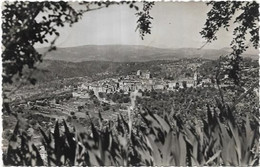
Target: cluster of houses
pixel 141 81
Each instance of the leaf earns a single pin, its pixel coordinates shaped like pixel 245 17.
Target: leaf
pixel 156 155
pixel 167 149
pixel 56 130
pixel 39 161
pixel 183 154
pixel 124 122
pixel 57 33
pixel 13 140
pixel 95 133
pixel 72 144
pixel 214 157
pixel 47 140
pixel 165 126
pixel 94 159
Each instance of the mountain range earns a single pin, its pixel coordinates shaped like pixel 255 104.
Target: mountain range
pixel 90 60
pixel 131 53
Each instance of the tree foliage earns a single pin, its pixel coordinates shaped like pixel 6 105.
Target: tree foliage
pixel 144 21
pixel 28 23
pixel 245 16
pixel 21 31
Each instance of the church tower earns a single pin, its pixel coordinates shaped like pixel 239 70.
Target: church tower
pixel 195 78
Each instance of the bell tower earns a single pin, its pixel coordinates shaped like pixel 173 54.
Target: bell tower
pixel 195 78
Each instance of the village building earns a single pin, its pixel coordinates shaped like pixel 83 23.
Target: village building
pixel 81 94
pixel 206 82
pixel 159 85
pixel 172 85
pixel 186 82
pixel 139 73
pixel 84 86
pixel 143 74
pixel 148 87
pixel 195 78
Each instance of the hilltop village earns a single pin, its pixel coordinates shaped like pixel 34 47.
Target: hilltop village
pixel 142 81
pixel 163 76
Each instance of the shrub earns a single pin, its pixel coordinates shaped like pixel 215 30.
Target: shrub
pixel 80 108
pixel 5 124
pixel 33 122
pixel 7 134
pixel 126 99
pixel 96 101
pixel 91 92
pixel 105 108
pixel 69 119
pixel 101 95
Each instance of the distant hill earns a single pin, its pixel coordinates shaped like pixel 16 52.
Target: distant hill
pixel 50 70
pixel 56 69
pixel 131 53
pixel 93 61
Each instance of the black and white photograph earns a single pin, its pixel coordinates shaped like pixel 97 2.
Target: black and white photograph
pixel 130 83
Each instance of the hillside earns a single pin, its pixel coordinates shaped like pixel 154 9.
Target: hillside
pixel 130 53
pixel 56 69
pixel 50 70
pixel 110 60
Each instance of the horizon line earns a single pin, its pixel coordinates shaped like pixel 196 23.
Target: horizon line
pixel 135 45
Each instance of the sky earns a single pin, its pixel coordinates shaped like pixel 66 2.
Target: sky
pixel 174 25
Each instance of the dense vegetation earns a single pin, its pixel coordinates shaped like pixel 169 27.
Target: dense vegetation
pixel 151 140
pixel 117 97
pixel 191 102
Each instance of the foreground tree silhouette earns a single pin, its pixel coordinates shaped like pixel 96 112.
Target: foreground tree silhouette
pixel 22 30
pixel 245 16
